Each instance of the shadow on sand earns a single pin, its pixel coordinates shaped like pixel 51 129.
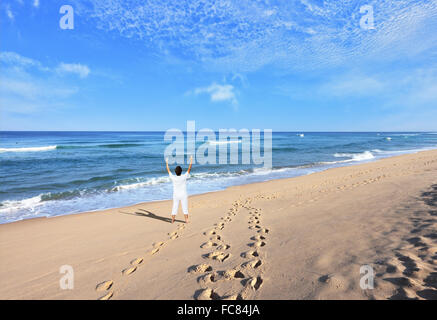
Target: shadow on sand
pixel 149 214
pixel 424 240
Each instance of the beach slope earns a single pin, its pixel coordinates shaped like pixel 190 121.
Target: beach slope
pixel 299 238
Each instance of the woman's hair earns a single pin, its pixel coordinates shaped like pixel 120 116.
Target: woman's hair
pixel 178 170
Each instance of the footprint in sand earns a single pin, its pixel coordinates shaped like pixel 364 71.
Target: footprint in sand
pixel 158 244
pixel 206 294
pixel 209 278
pixel 209 244
pixel 221 275
pixel 200 268
pixel 106 285
pixel 107 296
pixel 232 213
pixel 215 238
pixel 175 236
pixel 257 244
pixel 223 247
pixel 254 264
pixel 250 283
pixel 258 237
pixel 233 274
pixel 250 254
pixel 217 255
pixel 137 261
pixel 241 296
pixel 154 251
pixel 128 271
pixel 255 282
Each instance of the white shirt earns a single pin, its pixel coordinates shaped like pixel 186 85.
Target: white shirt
pixel 179 184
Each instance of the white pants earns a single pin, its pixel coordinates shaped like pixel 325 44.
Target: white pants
pixel 184 200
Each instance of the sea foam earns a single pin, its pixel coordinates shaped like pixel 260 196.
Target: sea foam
pixel 366 155
pixel 28 149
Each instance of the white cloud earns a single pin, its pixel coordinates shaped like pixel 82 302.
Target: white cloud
pixel 411 89
pixel 27 86
pixel 76 68
pixel 28 94
pixel 36 3
pixel 241 77
pixel 219 92
pixel 18 61
pixel 353 86
pixel 9 13
pixel 32 88
pixel 244 35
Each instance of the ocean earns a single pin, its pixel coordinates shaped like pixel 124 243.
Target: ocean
pixel 47 174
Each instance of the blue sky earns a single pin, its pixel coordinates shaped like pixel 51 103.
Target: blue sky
pixel 301 65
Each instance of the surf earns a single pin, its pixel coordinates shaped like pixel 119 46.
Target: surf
pixel 28 149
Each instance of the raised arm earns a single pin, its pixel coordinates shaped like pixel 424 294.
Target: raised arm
pixel 191 164
pixel 166 164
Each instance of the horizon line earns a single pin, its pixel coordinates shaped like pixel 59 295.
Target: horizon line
pixel 274 131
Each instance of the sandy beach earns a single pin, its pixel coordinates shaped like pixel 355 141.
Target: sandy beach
pixel 298 238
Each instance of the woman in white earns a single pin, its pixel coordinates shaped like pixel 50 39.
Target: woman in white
pixel 179 190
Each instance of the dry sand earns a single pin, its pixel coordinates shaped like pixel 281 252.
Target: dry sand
pixel 299 238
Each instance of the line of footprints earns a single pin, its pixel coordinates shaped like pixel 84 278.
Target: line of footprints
pixel 108 286
pixel 248 273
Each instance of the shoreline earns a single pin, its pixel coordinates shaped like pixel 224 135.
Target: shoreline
pixel 295 238
pixel 346 164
